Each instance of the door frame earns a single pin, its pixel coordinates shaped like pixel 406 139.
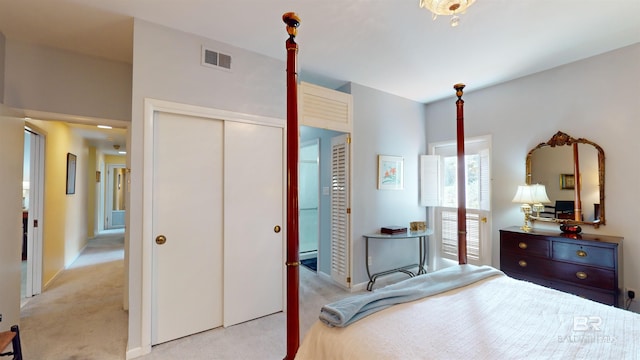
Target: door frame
pixel 151 108
pixel 108 194
pixel 36 211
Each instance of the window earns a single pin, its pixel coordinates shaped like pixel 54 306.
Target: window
pixel 445 201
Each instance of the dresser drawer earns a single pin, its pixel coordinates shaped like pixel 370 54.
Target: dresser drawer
pixel 605 297
pixel 523 244
pixel 584 254
pixel 585 275
pixel 526 265
pixel 586 265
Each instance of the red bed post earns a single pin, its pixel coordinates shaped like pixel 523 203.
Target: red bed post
pixel 462 198
pixel 293 258
pixel 577 212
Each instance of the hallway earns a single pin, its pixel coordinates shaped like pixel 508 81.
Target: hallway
pixel 80 315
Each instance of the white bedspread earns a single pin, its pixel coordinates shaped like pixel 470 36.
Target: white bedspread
pixel 495 318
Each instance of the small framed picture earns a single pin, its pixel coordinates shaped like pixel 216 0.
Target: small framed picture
pixel 567 182
pixel 390 172
pixel 71 173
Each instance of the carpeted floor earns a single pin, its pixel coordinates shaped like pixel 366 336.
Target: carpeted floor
pixel 80 317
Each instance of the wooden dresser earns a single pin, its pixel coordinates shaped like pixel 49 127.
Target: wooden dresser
pixel 583 264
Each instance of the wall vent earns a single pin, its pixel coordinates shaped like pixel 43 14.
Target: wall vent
pixel 215 59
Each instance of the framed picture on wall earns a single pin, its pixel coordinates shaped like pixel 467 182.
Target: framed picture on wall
pixel 567 182
pixel 390 172
pixel 71 173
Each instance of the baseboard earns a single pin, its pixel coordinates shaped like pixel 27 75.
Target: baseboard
pixel 55 276
pixel 308 255
pixel 137 352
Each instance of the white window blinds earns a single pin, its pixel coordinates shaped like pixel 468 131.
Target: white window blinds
pixel 449 224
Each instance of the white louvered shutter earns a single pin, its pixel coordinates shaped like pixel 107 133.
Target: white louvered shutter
pixel 429 180
pixel 449 223
pixel 340 208
pixel 325 108
pixel 485 180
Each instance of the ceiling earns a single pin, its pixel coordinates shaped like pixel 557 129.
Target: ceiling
pixel 390 45
pixel 109 141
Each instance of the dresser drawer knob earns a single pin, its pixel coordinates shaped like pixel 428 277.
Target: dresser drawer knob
pixel 522 263
pixel 581 253
pixel 522 245
pixel 581 275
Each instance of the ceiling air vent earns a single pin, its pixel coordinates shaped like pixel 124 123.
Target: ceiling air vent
pixel 215 59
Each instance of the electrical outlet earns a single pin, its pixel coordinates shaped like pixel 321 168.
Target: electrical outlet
pixel 630 293
pixel 369 261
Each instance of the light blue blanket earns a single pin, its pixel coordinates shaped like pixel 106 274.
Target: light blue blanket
pixel 346 311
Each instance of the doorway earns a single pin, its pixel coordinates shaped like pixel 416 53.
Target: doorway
pixel 115 197
pixel 323 139
pixel 32 214
pixel 309 198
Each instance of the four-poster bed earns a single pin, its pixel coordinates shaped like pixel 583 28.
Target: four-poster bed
pixel 293 257
pixel 463 311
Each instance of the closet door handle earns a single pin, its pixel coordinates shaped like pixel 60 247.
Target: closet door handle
pixel 161 239
pixel 276 229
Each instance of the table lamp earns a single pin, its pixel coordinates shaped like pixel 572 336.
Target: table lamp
pixel 539 193
pixel 524 196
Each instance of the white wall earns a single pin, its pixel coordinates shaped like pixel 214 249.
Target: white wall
pixel 166 66
pixel 596 99
pixel 384 124
pixel 11 143
pixel 59 81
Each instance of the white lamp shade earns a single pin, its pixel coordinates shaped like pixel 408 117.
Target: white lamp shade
pixel 539 193
pixel 524 195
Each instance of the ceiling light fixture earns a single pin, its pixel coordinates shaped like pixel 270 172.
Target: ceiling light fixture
pixel 105 127
pixel 447 7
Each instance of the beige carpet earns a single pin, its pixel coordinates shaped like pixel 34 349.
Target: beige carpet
pixel 80 317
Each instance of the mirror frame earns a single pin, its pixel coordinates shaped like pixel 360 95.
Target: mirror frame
pixel 562 139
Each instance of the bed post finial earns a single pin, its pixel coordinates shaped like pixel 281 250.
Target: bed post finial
pixel 293 21
pixel 293 142
pixel 462 200
pixel 459 88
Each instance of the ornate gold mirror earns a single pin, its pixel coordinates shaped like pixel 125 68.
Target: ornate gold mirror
pixel 572 171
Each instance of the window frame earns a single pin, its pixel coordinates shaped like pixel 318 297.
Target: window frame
pixel 480 217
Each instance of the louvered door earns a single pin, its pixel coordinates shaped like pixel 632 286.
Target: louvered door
pixel 340 211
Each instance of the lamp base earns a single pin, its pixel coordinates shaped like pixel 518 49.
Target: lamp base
pixel 527 211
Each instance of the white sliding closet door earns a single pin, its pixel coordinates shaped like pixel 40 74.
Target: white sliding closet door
pixel 253 250
pixel 188 212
